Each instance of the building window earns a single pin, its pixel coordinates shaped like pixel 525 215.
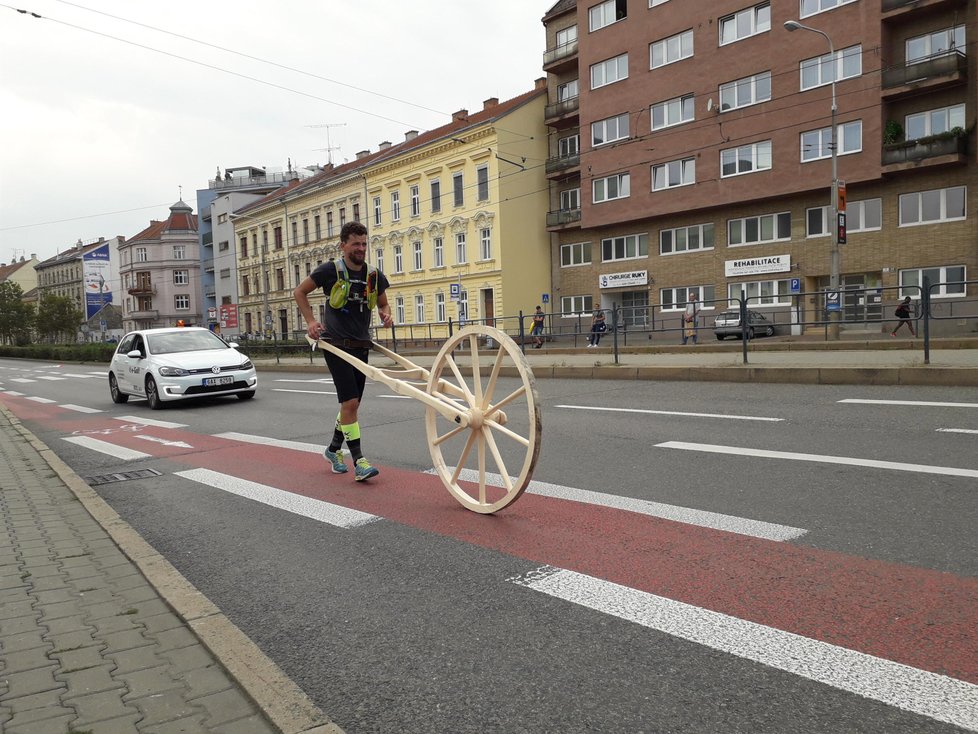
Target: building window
pixel 399 309
pixel 611 187
pixel 415 201
pixel 754 230
pixel 609 72
pixel 222 218
pixel 817 222
pixel 436 196
pixel 609 130
pixel 653 3
pixel 569 146
pixel 380 259
pixel 934 122
pixel 418 263
pixel 746 23
pixel 674 173
pixel 821 70
pixel 747 91
pixel 181 303
pixel 245 286
pixel 672 112
pixel 342 216
pixel 864 216
pixel 811 7
pixel 817 144
pixel 570 199
pixel 568 90
pixel 745 159
pixel 635 308
pixel 760 293
pixel 142 255
pixel 305 230
pixel 441 314
pixel 670 50
pixel 460 255
pixel 686 239
pixel 317 227
pixel 277 237
pixel 244 246
pixel 181 277
pixel 566 35
pixel 329 224
pixel 949 277
pixel 179 252
pixel 482 183
pixel 458 188
pixel 628 247
pixel 573 305
pixel 438 245
pixel 937 205
pixel 939 43
pixel 419 309
pixel 223 246
pixel 578 253
pixel 485 243
pixel 606 13
pixel 377 215
pixel 398 259
pixel 395 206
pixel 356 212
pixel 675 299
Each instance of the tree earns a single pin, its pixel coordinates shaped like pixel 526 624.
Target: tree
pixel 58 319
pixel 16 317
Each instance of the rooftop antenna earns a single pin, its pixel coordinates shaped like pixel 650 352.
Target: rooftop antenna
pixel 180 188
pixel 329 148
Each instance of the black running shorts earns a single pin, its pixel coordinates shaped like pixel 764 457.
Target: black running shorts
pixel 347 379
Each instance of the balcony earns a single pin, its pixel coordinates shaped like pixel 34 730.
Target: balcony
pixel 144 315
pixel 563 219
pixel 901 8
pixel 563 164
pixel 560 58
pixel 142 289
pixel 207 239
pixel 563 112
pixel 933 73
pixel 938 150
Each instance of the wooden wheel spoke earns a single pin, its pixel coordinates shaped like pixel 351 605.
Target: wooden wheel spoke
pixel 470 399
pixel 500 464
pixel 460 464
pixel 454 432
pixel 521 390
pixel 505 431
pixel 482 467
pixel 476 369
pixel 493 376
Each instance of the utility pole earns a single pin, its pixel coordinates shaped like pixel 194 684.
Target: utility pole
pixel 329 148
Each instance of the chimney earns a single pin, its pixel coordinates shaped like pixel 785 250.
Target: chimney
pixel 540 83
pixel 33 255
pixel 490 103
pixel 385 145
pixel 460 115
pixel 363 154
pixel 410 135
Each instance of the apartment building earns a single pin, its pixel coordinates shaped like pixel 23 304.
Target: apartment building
pixel 691 152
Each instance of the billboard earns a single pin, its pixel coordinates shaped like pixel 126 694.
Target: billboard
pixel 229 315
pixel 95 275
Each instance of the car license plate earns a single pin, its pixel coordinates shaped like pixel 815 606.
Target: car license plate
pixel 211 381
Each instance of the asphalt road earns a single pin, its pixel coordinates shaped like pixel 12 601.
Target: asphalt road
pixel 661 577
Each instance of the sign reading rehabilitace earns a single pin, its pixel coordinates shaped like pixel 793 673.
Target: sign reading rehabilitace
pixel 755 265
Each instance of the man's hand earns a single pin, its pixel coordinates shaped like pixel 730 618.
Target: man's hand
pixel 315 330
pixel 385 317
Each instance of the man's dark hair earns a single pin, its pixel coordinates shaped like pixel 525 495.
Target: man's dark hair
pixel 352 229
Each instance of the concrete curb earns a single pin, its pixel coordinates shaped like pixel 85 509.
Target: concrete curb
pixel 282 702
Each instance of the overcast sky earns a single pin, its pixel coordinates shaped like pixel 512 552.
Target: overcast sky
pixel 102 133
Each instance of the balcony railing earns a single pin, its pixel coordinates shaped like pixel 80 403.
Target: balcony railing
pixel 948 64
pixel 890 5
pixel 207 239
pixel 918 150
pixel 142 289
pixel 563 51
pixel 563 162
pixel 562 108
pixel 563 216
pixel 241 182
pixel 143 315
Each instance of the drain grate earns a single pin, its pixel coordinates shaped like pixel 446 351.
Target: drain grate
pixel 123 476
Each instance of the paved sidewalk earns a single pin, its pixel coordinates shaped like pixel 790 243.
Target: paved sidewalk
pixel 100 635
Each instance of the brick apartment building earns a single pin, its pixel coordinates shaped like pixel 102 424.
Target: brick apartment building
pixel 690 151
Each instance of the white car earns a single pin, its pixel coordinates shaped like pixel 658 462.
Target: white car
pixel 174 364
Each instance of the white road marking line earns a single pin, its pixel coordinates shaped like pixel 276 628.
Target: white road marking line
pixel 50 377
pixel 21 379
pixel 819 458
pixel 911 402
pixel 104 447
pixel 342 517
pixel 79 408
pixel 673 412
pixel 319 380
pixel 165 442
pixel 149 421
pixel 686 515
pixel 84 377
pixel 918 691
pixel 312 448
pixel 310 392
pixel 41 400
pixel 397 397
pixel 99 374
pixel 956 430
pixel 14 392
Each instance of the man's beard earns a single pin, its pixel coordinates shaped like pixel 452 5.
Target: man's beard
pixel 356 257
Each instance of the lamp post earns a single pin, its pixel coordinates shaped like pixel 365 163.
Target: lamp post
pixel 836 262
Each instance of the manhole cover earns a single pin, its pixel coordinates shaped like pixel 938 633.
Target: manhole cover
pixel 124 476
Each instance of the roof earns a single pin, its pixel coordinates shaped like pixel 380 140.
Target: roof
pixel 8 270
pixel 181 219
pixel 561 7
pixel 72 253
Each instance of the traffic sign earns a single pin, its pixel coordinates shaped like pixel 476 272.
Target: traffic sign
pixel 832 302
pixel 841 224
pixel 796 285
pixel 455 291
pixel 545 298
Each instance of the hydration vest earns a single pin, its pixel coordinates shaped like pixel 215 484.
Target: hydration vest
pixel 340 292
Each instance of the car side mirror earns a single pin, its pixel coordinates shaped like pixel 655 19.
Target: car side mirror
pixel 233 345
pixel 134 354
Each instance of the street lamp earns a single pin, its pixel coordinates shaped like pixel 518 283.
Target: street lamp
pixel 794 25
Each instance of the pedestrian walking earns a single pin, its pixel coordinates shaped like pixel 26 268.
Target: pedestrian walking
pixel 598 327
pixel 903 313
pixel 690 318
pixel 353 289
pixel 537 331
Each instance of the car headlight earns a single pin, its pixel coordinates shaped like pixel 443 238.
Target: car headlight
pixel 247 365
pixel 173 372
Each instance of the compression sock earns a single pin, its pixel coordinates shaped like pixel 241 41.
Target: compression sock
pixel 352 435
pixel 337 441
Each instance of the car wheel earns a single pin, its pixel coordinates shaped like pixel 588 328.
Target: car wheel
pixel 246 395
pixel 750 333
pixel 153 394
pixel 117 395
pixel 769 331
pixel 720 337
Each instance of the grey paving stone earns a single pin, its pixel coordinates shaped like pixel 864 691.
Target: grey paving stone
pixel 255 724
pixel 161 622
pixel 11 582
pixel 57 725
pixel 56 596
pixel 125 640
pixel 117 623
pixel 175 639
pixel 98 707
pixel 16 625
pixel 170 706
pixel 24 641
pixel 15 662
pixel 30 682
pixel 71 640
pixel 87 681
pixel 138 658
pixel 61 609
pixel 122 725
pixel 95 595
pixel 44 700
pixel 84 657
pixel 138 594
pixel 115 608
pixel 188 725
pixel 49 583
pixel 207 681
pixel 150 682
pixel 224 707
pixel 189 658
pixel 151 608
pixel 67 624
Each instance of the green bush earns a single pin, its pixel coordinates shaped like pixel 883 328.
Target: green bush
pixel 96 353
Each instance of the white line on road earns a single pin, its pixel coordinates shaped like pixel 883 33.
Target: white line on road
pixel 956 430
pixel 79 408
pixel 397 397
pixel 15 393
pixel 310 392
pixel 41 400
pixel 311 448
pixel 49 377
pixel 84 377
pixel 104 447
pixel 99 374
pixel 819 458
pixel 307 382
pixel 687 515
pixel 673 412
pixel 925 403
pixel 910 689
pixel 342 517
pixel 21 379
pixel 165 442
pixel 150 421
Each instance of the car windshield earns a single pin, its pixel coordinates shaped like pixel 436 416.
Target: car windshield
pixel 184 341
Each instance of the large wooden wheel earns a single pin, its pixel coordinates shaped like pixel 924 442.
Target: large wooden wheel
pixel 486 461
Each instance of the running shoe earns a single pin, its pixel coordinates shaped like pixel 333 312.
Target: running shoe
pixel 336 459
pixel 363 470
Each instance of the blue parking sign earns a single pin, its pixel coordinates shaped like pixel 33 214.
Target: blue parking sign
pixel 796 285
